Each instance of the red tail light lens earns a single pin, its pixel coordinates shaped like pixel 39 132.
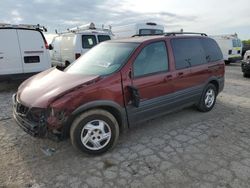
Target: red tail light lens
pixel 46 45
pixel 77 55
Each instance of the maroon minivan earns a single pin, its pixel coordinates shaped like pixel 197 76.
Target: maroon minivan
pixel 118 84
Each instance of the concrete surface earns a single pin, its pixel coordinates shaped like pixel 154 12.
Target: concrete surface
pixel 183 149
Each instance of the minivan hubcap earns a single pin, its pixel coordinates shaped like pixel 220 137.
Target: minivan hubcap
pixel 96 134
pixel 209 98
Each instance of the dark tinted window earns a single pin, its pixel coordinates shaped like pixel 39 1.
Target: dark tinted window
pixel 153 58
pixel 102 38
pixel 88 41
pixel 31 59
pixel 150 31
pixel 188 52
pixel 212 50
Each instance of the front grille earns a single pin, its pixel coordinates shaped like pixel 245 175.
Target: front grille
pixel 21 109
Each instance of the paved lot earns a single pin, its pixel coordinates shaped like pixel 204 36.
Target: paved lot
pixel 183 149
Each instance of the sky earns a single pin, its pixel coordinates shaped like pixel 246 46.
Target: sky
pixel 213 17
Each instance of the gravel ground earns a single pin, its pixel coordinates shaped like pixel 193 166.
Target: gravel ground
pixel 183 149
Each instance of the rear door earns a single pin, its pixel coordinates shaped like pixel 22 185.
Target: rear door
pixel 182 55
pixel 153 80
pixel 35 56
pixel 191 69
pixel 10 57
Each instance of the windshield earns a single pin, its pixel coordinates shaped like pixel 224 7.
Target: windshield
pixel 103 59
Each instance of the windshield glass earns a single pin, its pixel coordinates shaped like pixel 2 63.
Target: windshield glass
pixel 103 59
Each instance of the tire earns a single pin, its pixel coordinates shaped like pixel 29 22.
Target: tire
pixel 94 132
pixel 245 75
pixel 206 104
pixel 66 64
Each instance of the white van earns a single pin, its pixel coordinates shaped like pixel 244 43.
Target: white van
pixel 23 51
pixel 137 29
pixel 70 45
pixel 231 47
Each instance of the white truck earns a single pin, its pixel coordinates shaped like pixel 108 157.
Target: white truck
pixel 137 29
pixel 71 44
pixel 23 51
pixel 231 47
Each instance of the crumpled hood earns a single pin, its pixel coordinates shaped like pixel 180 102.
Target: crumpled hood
pixel 41 89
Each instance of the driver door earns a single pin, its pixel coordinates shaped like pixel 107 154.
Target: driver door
pixel 153 82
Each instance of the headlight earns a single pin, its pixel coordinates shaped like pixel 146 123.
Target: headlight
pixel 59 114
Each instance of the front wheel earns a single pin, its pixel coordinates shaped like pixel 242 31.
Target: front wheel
pixel 94 132
pixel 208 98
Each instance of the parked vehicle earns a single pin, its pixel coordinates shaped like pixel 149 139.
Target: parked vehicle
pixel 245 64
pixel 70 45
pixel 137 29
pixel 246 47
pixel 118 84
pixel 23 51
pixel 231 47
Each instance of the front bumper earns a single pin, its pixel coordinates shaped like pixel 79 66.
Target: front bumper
pixel 245 67
pixel 234 59
pixel 35 129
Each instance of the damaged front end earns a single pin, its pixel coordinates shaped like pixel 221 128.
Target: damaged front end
pixel 38 122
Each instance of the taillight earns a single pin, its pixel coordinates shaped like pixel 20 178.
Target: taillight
pixel 46 44
pixel 77 55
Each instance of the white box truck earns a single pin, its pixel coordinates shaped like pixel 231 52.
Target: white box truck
pixel 23 51
pixel 231 47
pixel 139 29
pixel 71 44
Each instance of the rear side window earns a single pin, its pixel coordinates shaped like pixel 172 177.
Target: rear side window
pixel 188 52
pixel 212 50
pixel 102 38
pixel 88 41
pixel 152 59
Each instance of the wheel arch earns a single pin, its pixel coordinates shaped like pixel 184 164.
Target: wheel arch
pixel 115 109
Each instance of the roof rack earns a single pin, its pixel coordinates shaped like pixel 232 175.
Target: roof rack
pixel 171 34
pixel 24 26
pixel 90 26
pixel 184 33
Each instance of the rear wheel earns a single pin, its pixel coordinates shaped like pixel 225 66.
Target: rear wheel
pixel 208 98
pixel 94 132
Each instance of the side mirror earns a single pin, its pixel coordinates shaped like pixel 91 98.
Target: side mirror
pixel 135 96
pixel 51 47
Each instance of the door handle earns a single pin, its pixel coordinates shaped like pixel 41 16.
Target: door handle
pixel 168 77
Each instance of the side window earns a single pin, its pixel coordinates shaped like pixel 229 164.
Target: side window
pixel 102 38
pixel 88 41
pixel 235 43
pixel 152 59
pixel 239 43
pixel 188 52
pixel 212 50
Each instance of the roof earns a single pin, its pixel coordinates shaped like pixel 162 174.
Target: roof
pixel 138 39
pixel 141 39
